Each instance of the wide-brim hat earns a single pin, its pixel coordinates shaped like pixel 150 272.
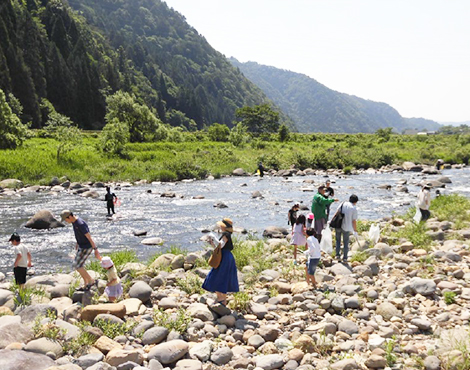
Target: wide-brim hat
pixel 227 223
pixel 106 262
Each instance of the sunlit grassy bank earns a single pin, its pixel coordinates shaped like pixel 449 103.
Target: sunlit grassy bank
pixel 195 156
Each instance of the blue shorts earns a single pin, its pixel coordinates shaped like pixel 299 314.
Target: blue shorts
pixel 312 264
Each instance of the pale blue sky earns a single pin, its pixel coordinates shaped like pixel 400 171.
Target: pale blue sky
pixel 411 54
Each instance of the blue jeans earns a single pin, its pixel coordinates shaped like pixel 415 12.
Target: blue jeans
pixel 345 234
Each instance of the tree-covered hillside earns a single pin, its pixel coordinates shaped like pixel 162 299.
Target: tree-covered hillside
pixel 316 108
pixel 76 58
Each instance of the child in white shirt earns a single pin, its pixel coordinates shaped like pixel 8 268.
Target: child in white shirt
pixel 313 253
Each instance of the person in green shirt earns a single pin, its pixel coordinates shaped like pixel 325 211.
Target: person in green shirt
pixel 319 204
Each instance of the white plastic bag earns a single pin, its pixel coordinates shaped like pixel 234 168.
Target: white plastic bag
pixel 374 233
pixel 417 216
pixel 326 243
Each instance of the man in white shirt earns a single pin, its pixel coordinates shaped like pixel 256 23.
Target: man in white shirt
pixel 22 260
pixel 348 227
pixel 424 201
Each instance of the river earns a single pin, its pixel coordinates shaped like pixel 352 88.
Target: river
pixel 180 221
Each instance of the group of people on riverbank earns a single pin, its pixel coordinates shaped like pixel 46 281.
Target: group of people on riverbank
pixel 307 232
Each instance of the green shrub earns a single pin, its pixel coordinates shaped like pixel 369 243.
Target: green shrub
pixel 359 256
pixel 178 321
pixel 449 297
pixel 240 301
pixel 190 284
pixel 112 330
pixel 24 297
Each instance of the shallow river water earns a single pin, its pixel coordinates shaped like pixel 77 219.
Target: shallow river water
pixel 179 221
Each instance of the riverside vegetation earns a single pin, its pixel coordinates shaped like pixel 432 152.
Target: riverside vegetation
pixel 405 306
pixel 219 150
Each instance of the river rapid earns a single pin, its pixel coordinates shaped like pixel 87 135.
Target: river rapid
pixel 180 221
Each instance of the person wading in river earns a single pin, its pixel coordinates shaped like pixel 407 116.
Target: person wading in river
pixel 84 246
pixel 109 198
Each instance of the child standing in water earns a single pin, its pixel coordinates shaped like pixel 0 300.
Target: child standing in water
pixel 298 235
pixel 113 287
pixel 313 253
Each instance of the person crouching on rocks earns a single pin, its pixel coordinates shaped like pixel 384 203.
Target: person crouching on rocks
pixel 313 253
pixel 113 287
pixel 299 237
pixel 224 278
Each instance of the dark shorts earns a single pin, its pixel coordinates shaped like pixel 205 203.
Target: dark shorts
pixel 312 264
pixel 20 275
pixel 81 257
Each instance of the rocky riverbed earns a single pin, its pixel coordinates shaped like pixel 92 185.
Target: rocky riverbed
pixel 393 306
pixel 178 213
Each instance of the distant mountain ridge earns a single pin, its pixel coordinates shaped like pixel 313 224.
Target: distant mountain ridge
pixel 316 108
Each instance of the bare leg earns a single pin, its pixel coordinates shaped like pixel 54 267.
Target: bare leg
pixel 85 275
pixel 111 299
pixel 295 252
pixel 221 297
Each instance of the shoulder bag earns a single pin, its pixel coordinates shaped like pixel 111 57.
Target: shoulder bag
pixel 216 257
pixel 337 219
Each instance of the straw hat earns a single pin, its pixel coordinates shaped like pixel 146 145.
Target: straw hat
pixel 227 223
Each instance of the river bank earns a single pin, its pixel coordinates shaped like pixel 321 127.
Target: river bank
pixel 197 157
pixel 402 303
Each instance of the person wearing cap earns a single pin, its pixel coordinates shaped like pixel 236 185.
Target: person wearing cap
pixel 319 204
pixel 348 227
pixel 224 278
pixel 424 201
pixel 22 261
pixel 329 192
pixel 84 246
pixel 113 287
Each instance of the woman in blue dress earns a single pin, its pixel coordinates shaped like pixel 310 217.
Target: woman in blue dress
pixel 224 278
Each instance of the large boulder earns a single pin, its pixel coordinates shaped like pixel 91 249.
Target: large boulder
pixel 118 356
pixel 239 172
pixel 6 299
pixel 44 346
pixel 14 360
pixel 30 313
pixel 275 232
pixel 152 241
pixel 423 286
pixel 43 219
pixel 11 184
pixel 163 261
pixel 200 311
pixel 169 352
pixel 91 311
pixel 141 290
pixel 13 331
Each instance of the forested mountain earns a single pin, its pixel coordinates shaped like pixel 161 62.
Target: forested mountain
pixel 75 58
pixel 422 124
pixel 316 108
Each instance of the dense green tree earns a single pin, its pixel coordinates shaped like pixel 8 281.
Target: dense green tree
pixel 218 132
pixel 141 122
pixel 238 135
pixel 283 133
pixel 114 137
pixel 67 134
pixel 12 131
pixel 259 119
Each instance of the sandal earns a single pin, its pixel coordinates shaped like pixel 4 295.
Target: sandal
pixel 89 286
pixel 222 303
